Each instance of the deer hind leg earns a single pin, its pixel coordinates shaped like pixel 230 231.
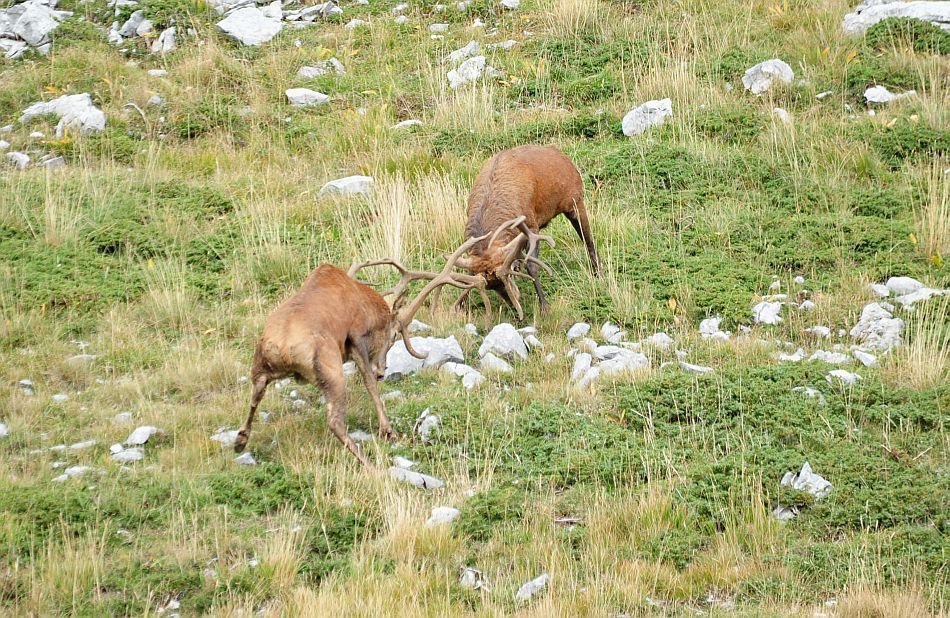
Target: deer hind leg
pixel 577 215
pixel 260 379
pixel 329 378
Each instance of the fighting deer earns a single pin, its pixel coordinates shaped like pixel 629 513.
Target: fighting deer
pixel 534 183
pixel 333 318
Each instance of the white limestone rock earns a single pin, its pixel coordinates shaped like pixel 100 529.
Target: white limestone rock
pixel 767 312
pixel 442 515
pixel 760 78
pixel 880 94
pixel 806 480
pixel 76 112
pixel 351 185
pixel 504 340
pixel 870 12
pixel 439 352
pixel 877 328
pixel 533 587
pixel 471 49
pixel 578 330
pixel 250 26
pixel 491 363
pixel 843 376
pixel 650 114
pixel 141 435
pixel 417 479
pixel 468 72
pixel 305 97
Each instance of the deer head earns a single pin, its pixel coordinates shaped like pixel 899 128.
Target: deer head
pixel 498 265
pixel 402 309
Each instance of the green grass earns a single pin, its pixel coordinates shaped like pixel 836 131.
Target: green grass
pixel 171 235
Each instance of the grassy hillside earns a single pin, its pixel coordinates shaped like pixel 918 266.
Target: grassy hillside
pixel 166 239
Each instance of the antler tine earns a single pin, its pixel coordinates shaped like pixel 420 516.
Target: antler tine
pixel 507 225
pixel 358 266
pixel 445 277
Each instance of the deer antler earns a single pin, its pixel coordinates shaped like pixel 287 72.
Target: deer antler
pixel 437 280
pixel 520 250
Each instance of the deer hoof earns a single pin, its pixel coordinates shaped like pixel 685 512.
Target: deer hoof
pixel 240 442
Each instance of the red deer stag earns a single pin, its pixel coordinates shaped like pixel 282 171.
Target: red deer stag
pixel 534 183
pixel 333 318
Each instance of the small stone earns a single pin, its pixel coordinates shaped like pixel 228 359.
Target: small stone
pixel 157 72
pixel 353 24
pixel 405 124
pixel 807 481
pixel 438 27
pixel 129 455
pixel 578 330
pixel 4 431
pixel 60 398
pixel 471 49
pixel 473 579
pixel 26 387
pixel 767 312
pixel 122 418
pixel 531 588
pixel 427 425
pixel 245 459
pixel 811 393
pixel 842 376
pixel 490 362
pixel 868 360
pixel 782 115
pixel 250 26
pixel 225 437
pixel 415 478
pixel 695 368
pixel 141 435
pixel 762 76
pixel 402 462
pixel 351 185
pixel 650 114
pixel 504 340
pixel 442 515
pixel 20 160
pixel 360 436
pixel 880 94
pixel 304 97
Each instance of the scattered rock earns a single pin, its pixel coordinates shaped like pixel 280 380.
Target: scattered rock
pixel 709 329
pixel 326 67
pixel 650 114
pixel 871 12
pixel 832 358
pixel 473 579
pixel 471 49
pixel 442 515
pixel 782 115
pixel 811 393
pixel 582 363
pixel 578 330
pixel 695 368
pixel 490 362
pixel 76 472
pixel 353 24
pixel 511 4
pixel 807 481
pixel 226 437
pixel 901 286
pixel 4 431
pixel 880 94
pixel 415 478
pixel 531 588
pixel 141 435
pixel 504 340
pixel 843 376
pixel 351 185
pixel 439 352
pixel 128 455
pixel 60 398
pixel 167 41
pixel 468 72
pixel 245 459
pixel 417 326
pixel 122 418
pixel 438 27
pixel 405 124
pixel 304 97
pixel 471 377
pixel 75 111
pixel 427 425
pixel 792 358
pixel 761 77
pixel 18 159
pixel 26 387
pixel 878 329
pixel 28 24
pixel 866 359
pixel 767 312
pixel 661 341
pixel 402 462
pixel 250 26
